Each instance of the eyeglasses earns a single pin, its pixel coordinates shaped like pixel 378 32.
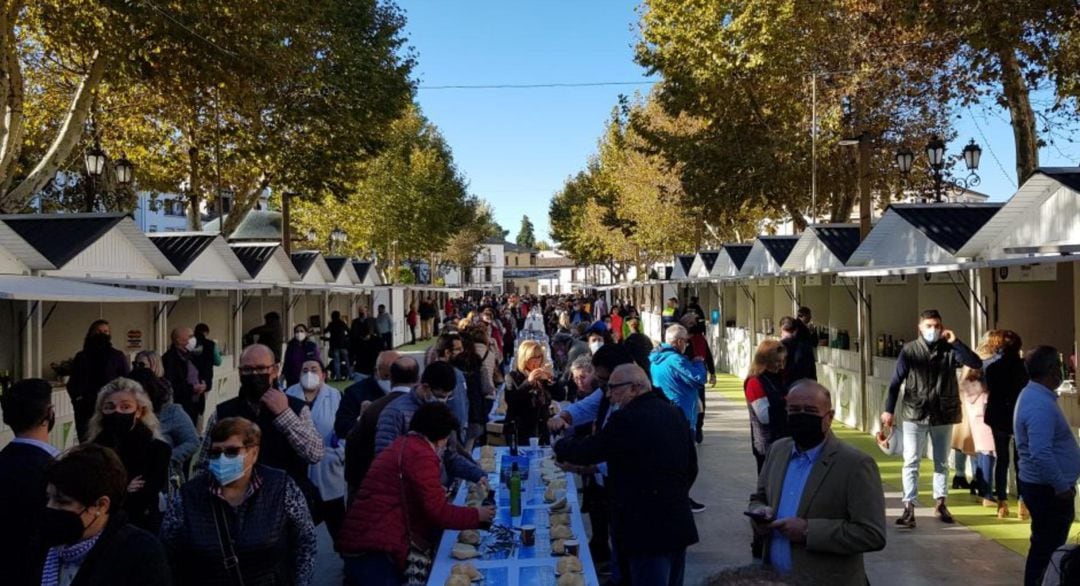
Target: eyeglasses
pixel 229 452
pixel 139 364
pixel 255 369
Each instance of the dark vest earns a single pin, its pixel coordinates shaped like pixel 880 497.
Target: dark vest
pixel 258 528
pixel 931 389
pixel 275 450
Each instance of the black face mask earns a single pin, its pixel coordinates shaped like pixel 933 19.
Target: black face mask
pixel 52 420
pixel 254 386
pixel 118 423
pixel 805 429
pixel 60 527
pixel 100 340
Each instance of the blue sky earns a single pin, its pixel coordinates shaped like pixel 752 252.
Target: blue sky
pixel 517 146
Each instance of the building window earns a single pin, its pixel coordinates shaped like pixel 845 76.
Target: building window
pixel 517 261
pixel 487 274
pixel 173 207
pixel 153 228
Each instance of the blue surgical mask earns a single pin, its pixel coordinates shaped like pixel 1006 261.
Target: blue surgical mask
pixel 931 335
pixel 227 470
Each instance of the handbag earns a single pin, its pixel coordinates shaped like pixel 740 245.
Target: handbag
pixel 419 560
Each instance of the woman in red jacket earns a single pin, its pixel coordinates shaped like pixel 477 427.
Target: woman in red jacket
pixel 400 505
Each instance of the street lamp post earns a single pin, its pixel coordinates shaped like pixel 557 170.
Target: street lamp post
pixel 95 166
pixel 337 236
pixel 935 157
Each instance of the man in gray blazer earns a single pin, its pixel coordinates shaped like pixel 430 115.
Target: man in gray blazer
pixel 819 502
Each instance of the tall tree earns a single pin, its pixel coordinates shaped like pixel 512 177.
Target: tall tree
pixel 526 236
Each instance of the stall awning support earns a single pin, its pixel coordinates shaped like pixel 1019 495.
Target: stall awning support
pixel 242 304
pixel 45 319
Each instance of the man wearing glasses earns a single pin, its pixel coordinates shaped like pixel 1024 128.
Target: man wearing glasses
pixel 819 502
pixel 289 438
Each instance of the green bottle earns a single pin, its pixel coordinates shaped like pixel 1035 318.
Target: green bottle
pixel 515 491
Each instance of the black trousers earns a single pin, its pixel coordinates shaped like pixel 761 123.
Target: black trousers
pixel 1051 518
pixel 596 504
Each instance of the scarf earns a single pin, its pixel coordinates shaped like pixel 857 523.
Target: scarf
pixel 67 555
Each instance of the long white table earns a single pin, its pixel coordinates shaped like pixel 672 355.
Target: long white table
pixel 523 566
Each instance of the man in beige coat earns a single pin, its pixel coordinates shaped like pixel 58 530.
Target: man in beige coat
pixel 819 502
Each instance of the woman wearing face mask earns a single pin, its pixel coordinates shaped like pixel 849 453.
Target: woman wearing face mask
pixel 328 475
pixel 92 542
pixel 300 349
pixel 95 366
pixel 124 421
pixel 243 510
pixel 401 506
pixel 765 392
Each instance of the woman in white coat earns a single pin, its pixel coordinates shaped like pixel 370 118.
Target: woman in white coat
pixel 328 474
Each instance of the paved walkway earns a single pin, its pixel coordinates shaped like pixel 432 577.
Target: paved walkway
pixel 932 554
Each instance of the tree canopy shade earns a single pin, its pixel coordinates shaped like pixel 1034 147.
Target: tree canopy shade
pixel 526 236
pixel 322 80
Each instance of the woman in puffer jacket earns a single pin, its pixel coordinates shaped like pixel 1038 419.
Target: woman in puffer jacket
pixel 401 505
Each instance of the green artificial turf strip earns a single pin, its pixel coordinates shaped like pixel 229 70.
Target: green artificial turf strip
pixel 419 346
pixel 1012 533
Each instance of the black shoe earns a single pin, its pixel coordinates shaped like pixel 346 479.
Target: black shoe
pixel 943 512
pixel 959 482
pixel 696 507
pixel 907 519
pixel 700 436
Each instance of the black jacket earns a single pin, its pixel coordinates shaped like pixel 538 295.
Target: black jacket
pixel 124 555
pixel 928 373
pixel 527 405
pixel 800 362
pixel 338 335
pixel 1005 377
pixel 651 461
pixel 22 500
pixel 203 358
pixel 175 366
pixel 352 400
pixel 147 456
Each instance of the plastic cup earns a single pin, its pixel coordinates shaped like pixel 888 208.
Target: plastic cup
pixel 534 443
pixel 572 546
pixel 528 535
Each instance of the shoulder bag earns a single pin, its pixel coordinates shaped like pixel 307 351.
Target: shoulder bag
pixel 419 559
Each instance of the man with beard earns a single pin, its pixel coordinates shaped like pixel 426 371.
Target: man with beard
pixel 289 439
pixel 95 366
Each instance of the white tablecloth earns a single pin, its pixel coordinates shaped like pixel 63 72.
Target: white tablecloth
pixel 533 566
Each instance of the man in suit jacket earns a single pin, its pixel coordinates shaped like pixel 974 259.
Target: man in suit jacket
pixel 28 411
pixel 819 502
pixel 651 464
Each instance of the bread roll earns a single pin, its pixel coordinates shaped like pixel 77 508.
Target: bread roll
pixel 466 569
pixel 558 547
pixel 470 537
pixel 570 580
pixel 569 565
pixel 561 532
pixel 458 580
pixel 464 551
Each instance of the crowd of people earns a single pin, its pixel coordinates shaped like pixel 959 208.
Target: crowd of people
pixel 160 491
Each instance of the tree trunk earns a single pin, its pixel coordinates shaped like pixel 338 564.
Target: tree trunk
pixel 243 204
pixel 11 93
pixel 68 136
pixel 194 190
pixel 1017 100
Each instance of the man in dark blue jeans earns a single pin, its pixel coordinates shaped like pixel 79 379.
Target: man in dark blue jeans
pixel 1049 460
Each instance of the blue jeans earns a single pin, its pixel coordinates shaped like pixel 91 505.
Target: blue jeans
pixel 658 570
pixel 984 474
pixel 1051 518
pixel 915 435
pixel 1003 443
pixel 340 356
pixel 371 569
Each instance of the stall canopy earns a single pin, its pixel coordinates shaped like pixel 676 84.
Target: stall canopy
pixel 312 267
pixel 366 272
pixel 681 266
pixel 731 260
pixel 343 271
pixel 266 263
pixel 91 245
pixel 204 259
pixel 16 254
pixel 767 255
pixel 917 236
pixel 1043 216
pixel 29 288
pixel 703 264
pixel 823 248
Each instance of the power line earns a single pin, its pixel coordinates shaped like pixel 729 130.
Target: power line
pixel 989 147
pixel 506 86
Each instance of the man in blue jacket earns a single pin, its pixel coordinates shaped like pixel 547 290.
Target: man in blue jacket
pixel 679 377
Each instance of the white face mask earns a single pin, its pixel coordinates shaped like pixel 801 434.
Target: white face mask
pixel 384 385
pixel 594 346
pixel 310 381
pixel 300 336
pixel 191 343
pixel 931 335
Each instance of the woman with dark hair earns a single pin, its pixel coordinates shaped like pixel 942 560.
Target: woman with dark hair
pixel 95 366
pixel 300 349
pixel 92 542
pixel 400 509
pixel 1005 376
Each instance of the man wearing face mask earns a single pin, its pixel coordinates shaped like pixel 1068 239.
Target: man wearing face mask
pixel 28 411
pixel 239 509
pixel 819 502
pixel 369 390
pixel 84 522
pixel 927 369
pixel 290 441
pixel 437 384
pixel 189 390
pixel 95 366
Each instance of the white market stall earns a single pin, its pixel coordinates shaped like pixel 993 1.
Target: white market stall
pixel 268 264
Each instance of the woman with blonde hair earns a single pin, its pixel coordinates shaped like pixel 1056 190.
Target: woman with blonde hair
pixel 530 388
pixel 124 421
pixel 766 398
pixel 973 434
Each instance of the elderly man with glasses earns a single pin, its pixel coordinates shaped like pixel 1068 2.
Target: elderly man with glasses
pixel 290 440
